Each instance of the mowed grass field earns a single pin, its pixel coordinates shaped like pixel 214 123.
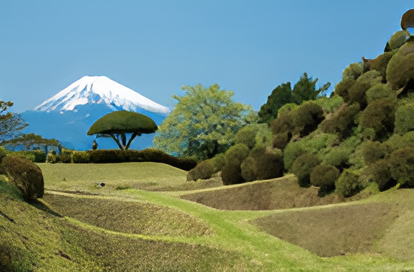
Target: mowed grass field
pixel 148 218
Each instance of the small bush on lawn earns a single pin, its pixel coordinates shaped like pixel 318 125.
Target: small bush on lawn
pixel 303 166
pixel 348 184
pixel 25 175
pixel 262 163
pixel 324 176
pixel 203 170
pixel 66 156
pixel 51 157
pixel 231 174
pixel 81 157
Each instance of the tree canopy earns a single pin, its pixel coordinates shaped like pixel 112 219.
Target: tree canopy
pixel 203 122
pixel 10 123
pixel 304 90
pixel 32 141
pixel 118 123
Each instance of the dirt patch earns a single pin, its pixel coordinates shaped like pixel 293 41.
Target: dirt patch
pixel 129 217
pixel 333 231
pixel 281 193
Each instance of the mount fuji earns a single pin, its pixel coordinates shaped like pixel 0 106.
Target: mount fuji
pixel 68 115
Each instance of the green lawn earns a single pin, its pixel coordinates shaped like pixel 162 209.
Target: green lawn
pixel 119 227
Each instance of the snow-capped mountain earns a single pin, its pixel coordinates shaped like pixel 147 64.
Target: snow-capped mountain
pixel 99 90
pixel 68 115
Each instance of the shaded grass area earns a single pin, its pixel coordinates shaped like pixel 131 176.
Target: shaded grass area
pixel 334 231
pixel 281 193
pixel 128 216
pixel 187 186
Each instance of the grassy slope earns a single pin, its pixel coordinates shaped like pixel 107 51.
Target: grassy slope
pixel 234 242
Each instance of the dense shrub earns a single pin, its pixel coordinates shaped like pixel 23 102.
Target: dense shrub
pixel 379 115
pixel 203 170
pixel 246 136
pixel 398 39
pixel 402 166
pixel 51 157
pixel 25 175
pixel 338 156
pixel 264 136
pixel 32 155
pixel 287 109
pixel 66 156
pixel 281 140
pixel 262 163
pixel 380 63
pixel 324 176
pixel 231 174
pixel 400 68
pixel 291 153
pixel 218 162
pixel 348 184
pixel 342 121
pixel 396 141
pixel 353 71
pixel 357 93
pixel 303 166
pixel 404 121
pixel 331 104
pixel 342 89
pixel 236 154
pixel 307 118
pixel 372 152
pixel 283 123
pixel 81 157
pixel 380 173
pixel 379 91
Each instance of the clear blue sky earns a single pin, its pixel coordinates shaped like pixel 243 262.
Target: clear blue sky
pixel 154 47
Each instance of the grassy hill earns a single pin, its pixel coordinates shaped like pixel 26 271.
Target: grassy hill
pixel 120 228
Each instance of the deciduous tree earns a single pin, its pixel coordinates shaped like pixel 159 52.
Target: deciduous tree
pixel 10 123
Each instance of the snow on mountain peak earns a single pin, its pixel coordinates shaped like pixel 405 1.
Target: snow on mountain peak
pixel 99 89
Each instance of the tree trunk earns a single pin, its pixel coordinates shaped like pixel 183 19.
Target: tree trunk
pixel 117 141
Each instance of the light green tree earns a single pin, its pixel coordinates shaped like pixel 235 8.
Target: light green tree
pixel 203 123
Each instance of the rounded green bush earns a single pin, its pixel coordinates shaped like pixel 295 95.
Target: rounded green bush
pixel 380 173
pixel 372 151
pixel 66 156
pixel 402 166
pixel 218 162
pixel 404 121
pixel 348 184
pixel 379 91
pixel 246 136
pixel 353 71
pixel 292 151
pixel 249 169
pixel 236 154
pixel 51 157
pixel 342 89
pixel 342 121
pixel 380 63
pixel 379 115
pixel 283 123
pixel 398 39
pixel 400 68
pixel 25 175
pixel 357 93
pixel 262 163
pixel 397 141
pixel 231 174
pixel 286 109
pixel 303 166
pixel 307 118
pixel 81 157
pixel 281 140
pixel 324 176
pixel 203 170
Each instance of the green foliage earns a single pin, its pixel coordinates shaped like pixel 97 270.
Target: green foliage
pixel 262 163
pixel 402 166
pixel 380 173
pixel 203 170
pixel 307 118
pixel 339 156
pixel 25 175
pixel 348 184
pixel 66 156
pixel 342 121
pixel 329 104
pixel 283 123
pixel 400 68
pixel 372 151
pixel 342 89
pixel 264 136
pixel 353 71
pixel 236 154
pixel 380 63
pixel 51 157
pixel 7 188
pixel 81 157
pixel 398 39
pixel 203 123
pixel 246 136
pixel 379 115
pixel 303 166
pixel 218 162
pixel 118 123
pixel 286 109
pixel 281 140
pixel 283 94
pixel 357 93
pixel 324 176
pixel 231 174
pixel 291 153
pixel 404 121
pixel 32 141
pixel 33 155
pixel 10 123
pixel 379 91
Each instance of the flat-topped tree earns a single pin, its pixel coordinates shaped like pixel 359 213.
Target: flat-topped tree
pixel 118 123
